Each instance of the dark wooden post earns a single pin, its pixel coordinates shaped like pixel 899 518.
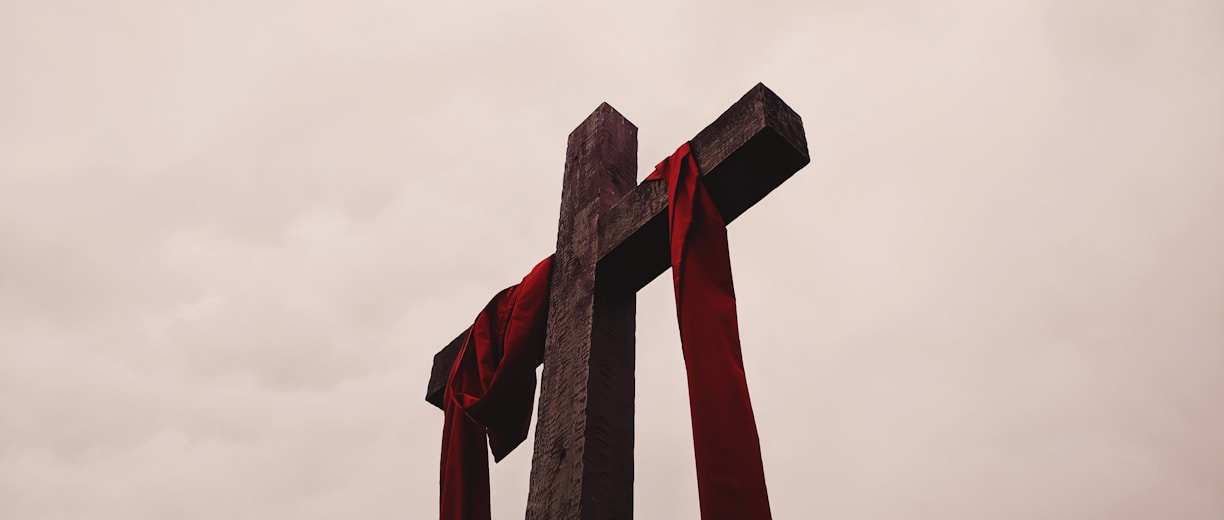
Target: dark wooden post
pixel 583 462
pixel 612 240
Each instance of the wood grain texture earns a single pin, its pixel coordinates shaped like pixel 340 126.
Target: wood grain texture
pixel 744 154
pixel 582 467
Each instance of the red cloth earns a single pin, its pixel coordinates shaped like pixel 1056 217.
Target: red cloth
pixel 489 392
pixel 490 389
pixel 730 476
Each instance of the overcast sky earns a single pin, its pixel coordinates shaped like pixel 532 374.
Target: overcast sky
pixel 233 234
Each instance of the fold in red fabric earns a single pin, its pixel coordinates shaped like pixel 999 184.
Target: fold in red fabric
pixel 730 475
pixel 490 389
pixel 489 392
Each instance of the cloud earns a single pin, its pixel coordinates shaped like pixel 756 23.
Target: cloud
pixel 232 236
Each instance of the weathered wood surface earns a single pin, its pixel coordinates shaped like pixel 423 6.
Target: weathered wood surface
pixel 582 466
pixel 442 363
pixel 748 151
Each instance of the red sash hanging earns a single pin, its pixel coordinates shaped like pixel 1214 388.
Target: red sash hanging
pixel 492 383
pixel 730 476
pixel 489 392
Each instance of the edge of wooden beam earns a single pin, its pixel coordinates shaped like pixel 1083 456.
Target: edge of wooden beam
pixel 442 362
pixel 748 151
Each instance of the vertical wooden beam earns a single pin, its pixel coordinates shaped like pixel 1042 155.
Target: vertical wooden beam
pixel 582 467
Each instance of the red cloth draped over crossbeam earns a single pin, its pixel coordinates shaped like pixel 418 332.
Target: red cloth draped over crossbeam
pixel 491 385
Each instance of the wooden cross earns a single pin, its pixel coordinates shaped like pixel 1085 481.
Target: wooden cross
pixel 611 241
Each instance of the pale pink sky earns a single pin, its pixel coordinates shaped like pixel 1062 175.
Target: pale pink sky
pixel 232 235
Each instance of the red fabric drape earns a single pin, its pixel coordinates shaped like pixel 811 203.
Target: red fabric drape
pixel 730 476
pixel 489 392
pixel 491 385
